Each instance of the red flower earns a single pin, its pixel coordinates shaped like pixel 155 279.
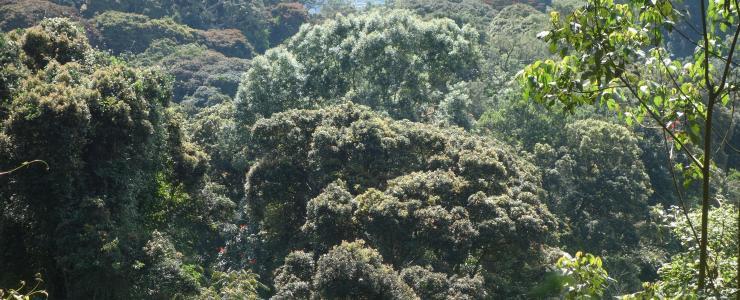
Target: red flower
pixel 221 250
pixel 252 261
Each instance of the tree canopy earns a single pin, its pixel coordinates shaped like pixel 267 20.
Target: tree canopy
pixel 391 61
pixel 417 194
pixel 106 131
pixel 341 149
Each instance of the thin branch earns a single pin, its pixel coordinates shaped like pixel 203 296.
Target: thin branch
pixel 684 209
pixel 707 81
pixel 695 43
pixel 24 165
pixel 599 90
pixel 675 82
pixel 726 73
pixel 661 123
pixel 727 132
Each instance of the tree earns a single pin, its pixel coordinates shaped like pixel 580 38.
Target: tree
pixel 431 285
pixel 347 271
pixel 614 55
pixel 105 131
pixel 601 194
pixel 600 197
pixel 203 77
pixel 54 39
pixel 351 270
pixel 521 123
pixel 330 8
pixel 241 284
pixel 129 32
pixel 165 275
pixel 677 277
pixel 457 108
pixel 27 13
pixel 506 117
pixel 417 194
pixel 473 12
pixel 391 61
pixel 287 19
pixel 214 129
pixel 354 270
pixel 275 83
pixel 261 22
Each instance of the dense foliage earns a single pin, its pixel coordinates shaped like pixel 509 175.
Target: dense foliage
pixel 474 12
pixel 419 195
pixel 26 13
pixel 258 20
pixel 123 32
pixel 203 77
pixel 339 149
pixel 678 278
pixel 625 65
pixel 391 61
pixel 106 132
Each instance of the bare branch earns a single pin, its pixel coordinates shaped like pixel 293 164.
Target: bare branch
pixel 24 165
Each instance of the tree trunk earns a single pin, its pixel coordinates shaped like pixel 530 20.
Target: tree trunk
pixel 706 164
pixel 706 168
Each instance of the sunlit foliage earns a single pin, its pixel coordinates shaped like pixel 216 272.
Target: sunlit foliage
pixel 105 131
pixel 391 61
pixel 417 194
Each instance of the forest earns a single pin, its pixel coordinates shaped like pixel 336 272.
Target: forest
pixel 398 149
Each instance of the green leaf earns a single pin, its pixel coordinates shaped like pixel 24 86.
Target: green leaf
pixel 658 100
pixel 695 133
